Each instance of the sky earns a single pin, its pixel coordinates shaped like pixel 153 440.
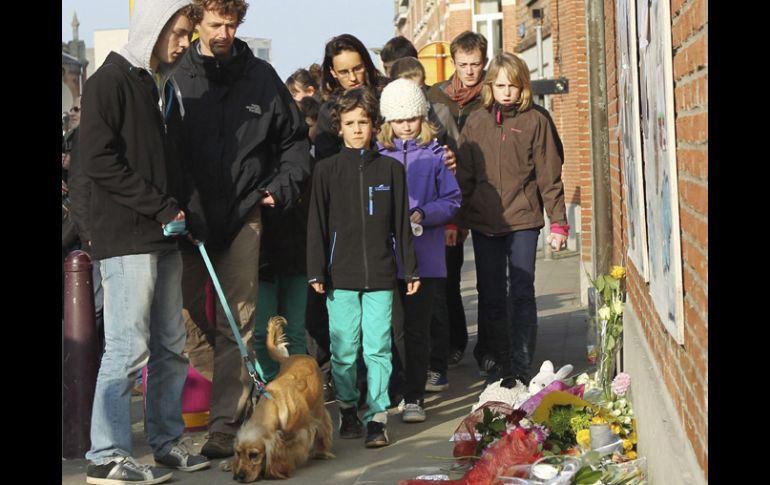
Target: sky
pixel 299 29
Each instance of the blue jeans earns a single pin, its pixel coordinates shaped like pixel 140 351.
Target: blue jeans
pixel 142 321
pixel 507 305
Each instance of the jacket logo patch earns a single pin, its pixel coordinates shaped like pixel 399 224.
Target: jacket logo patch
pixel 254 108
pixel 381 188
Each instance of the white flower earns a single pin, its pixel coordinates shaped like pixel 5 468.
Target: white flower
pixel 615 412
pixel 609 405
pixel 617 307
pixel 604 313
pixel 627 420
pixel 621 403
pixel 582 379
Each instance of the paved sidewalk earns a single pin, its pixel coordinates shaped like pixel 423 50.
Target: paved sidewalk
pixel 419 448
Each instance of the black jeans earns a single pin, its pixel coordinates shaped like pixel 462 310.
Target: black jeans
pixel 417 318
pixel 516 253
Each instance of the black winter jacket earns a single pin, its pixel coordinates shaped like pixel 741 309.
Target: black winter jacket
pixel 358 206
pixel 126 154
pixel 244 136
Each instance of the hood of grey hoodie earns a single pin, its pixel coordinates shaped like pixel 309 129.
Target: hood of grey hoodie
pixel 147 21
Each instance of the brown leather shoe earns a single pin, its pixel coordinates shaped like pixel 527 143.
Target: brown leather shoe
pixel 219 445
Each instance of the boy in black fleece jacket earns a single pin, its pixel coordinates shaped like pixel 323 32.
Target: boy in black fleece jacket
pixel 358 206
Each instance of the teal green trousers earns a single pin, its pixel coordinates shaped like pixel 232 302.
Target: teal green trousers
pixel 287 296
pixel 356 318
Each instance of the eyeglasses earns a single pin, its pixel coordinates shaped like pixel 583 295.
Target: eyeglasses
pixel 75 109
pixel 347 72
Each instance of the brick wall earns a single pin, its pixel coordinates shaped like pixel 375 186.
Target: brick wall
pixel 684 367
pixel 566 22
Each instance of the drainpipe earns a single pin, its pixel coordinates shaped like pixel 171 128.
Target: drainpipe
pixel 601 248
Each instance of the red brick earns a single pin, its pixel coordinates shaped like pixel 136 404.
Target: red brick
pixel 694 258
pixel 694 225
pixel 691 57
pixel 693 162
pixel 694 195
pixel 692 128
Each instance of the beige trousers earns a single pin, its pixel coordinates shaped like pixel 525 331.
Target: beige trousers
pixel 212 349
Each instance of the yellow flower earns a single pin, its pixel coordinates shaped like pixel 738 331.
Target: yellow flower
pixel 597 420
pixel 618 272
pixel 627 445
pixel 631 455
pixel 584 438
pixel 615 428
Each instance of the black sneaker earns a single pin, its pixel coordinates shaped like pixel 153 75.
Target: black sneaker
pixel 454 358
pixel 350 426
pixel 219 445
pixel 181 458
pixel 123 470
pixel 376 435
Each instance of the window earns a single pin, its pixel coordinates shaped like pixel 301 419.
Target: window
pixel 488 21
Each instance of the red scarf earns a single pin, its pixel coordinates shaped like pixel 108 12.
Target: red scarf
pixel 460 94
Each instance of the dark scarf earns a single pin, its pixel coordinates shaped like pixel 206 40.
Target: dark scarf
pixel 501 111
pixel 460 94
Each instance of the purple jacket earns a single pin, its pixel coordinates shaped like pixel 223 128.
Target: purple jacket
pixel 433 191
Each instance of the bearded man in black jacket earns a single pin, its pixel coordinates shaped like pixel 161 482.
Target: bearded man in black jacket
pixel 246 148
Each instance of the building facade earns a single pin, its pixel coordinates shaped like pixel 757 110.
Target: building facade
pixel 634 124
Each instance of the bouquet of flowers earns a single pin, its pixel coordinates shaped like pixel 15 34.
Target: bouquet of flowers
pixel 609 316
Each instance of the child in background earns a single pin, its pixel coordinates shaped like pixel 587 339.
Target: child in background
pixel 510 166
pixel 302 84
pixel 434 197
pixel 357 206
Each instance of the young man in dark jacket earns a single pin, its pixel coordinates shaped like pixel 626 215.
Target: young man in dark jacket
pixel 247 147
pixel 128 109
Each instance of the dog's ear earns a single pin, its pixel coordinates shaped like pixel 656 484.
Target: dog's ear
pixel 292 412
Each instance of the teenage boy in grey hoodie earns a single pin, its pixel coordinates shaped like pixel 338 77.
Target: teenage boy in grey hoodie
pixel 129 115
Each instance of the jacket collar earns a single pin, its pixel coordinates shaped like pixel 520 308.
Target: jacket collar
pixel 357 153
pixel 224 71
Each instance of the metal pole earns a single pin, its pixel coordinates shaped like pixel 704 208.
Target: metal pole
pixel 80 350
pixel 539 48
pixel 597 92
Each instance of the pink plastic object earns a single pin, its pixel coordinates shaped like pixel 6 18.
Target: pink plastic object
pixel 196 396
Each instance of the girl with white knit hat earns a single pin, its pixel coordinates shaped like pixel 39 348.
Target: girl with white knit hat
pixel 434 197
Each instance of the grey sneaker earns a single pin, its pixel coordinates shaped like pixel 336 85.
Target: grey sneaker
pixel 436 382
pixel 413 413
pixel 125 470
pixel 181 458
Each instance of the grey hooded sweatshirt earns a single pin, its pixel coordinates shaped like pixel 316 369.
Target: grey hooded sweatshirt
pixel 127 143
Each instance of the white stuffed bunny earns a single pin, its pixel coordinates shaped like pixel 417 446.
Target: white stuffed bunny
pixel 547 376
pixel 495 392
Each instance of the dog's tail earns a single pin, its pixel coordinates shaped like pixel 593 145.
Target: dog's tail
pixel 276 344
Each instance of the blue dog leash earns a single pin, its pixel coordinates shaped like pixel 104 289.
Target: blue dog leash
pixel 179 228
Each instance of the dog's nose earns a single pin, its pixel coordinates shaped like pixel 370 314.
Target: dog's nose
pixel 239 476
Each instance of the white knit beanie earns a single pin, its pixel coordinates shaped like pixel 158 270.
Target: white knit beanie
pixel 402 99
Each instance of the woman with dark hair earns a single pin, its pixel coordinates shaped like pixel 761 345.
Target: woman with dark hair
pixel 346 65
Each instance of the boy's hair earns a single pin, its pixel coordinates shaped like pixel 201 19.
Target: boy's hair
pixel 468 42
pixel 301 78
pixel 396 48
pixel 518 75
pixel 427 134
pixel 309 107
pixel 360 97
pixel 408 67
pixel 227 7
pixel 347 42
